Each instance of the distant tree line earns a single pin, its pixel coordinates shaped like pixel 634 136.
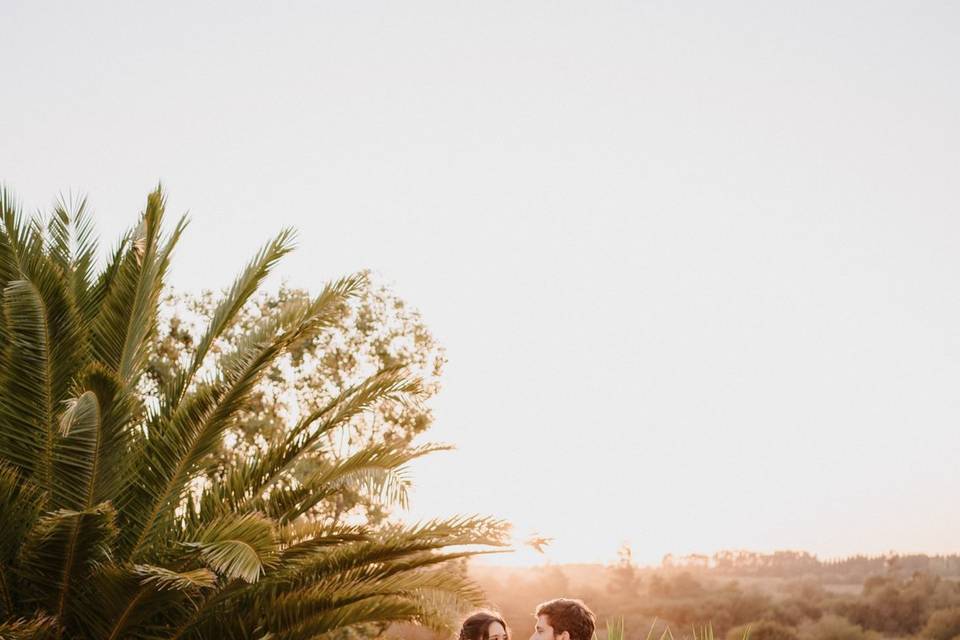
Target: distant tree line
pixel 783 564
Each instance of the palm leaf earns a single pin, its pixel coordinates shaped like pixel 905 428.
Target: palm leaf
pixel 244 486
pixel 107 279
pixel 289 611
pixel 43 353
pixel 115 437
pixel 20 505
pixel 380 470
pixel 176 449
pixel 410 547
pixel 10 224
pixel 37 628
pixel 166 579
pixel 139 601
pixel 300 539
pixel 127 315
pixel 174 452
pixel 241 547
pixel 76 453
pixel 74 248
pixel 229 307
pixel 378 609
pixel 61 551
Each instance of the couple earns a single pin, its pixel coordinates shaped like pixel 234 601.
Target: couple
pixel 560 619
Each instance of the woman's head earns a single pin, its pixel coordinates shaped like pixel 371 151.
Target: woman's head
pixel 484 625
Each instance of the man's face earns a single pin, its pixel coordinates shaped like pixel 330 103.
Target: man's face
pixel 543 631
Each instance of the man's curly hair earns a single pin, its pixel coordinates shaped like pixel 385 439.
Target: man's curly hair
pixel 572 616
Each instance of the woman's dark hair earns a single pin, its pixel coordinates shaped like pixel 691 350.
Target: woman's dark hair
pixel 477 626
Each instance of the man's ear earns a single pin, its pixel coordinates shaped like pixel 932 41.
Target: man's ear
pixel 563 636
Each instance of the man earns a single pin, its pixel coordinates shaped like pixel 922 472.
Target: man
pixel 564 619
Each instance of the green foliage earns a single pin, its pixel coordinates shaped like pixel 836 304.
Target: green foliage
pixel 896 606
pixel 122 513
pixel 685 601
pixel 943 625
pixel 833 627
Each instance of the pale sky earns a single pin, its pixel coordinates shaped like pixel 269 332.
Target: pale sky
pixel 695 264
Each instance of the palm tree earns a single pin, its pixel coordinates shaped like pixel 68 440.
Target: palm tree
pixel 118 519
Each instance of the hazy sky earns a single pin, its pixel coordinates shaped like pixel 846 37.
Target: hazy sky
pixel 695 264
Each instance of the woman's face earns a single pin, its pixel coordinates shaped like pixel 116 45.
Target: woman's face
pixel 496 632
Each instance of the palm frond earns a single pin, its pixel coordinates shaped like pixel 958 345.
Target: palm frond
pixel 139 602
pixel 20 504
pixel 10 225
pixel 289 610
pixel 380 470
pixel 246 284
pixel 107 278
pixel 167 579
pixel 76 453
pixel 127 315
pixel 42 355
pixel 40 627
pixel 244 486
pixel 243 546
pixel 61 551
pixel 302 538
pixel 174 451
pixel 394 384
pixel 410 547
pixel 115 436
pixel 176 448
pixel 73 247
pixel 379 609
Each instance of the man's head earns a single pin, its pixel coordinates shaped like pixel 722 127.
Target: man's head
pixel 564 619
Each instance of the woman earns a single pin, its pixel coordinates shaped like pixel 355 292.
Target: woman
pixel 484 625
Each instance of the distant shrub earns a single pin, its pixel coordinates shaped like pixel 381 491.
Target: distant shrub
pixel 793 611
pixel 679 586
pixel 832 627
pixel 888 606
pixel 763 630
pixel 943 625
